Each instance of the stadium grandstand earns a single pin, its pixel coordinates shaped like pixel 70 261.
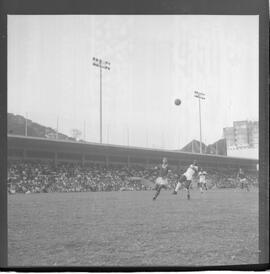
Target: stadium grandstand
pixel 49 165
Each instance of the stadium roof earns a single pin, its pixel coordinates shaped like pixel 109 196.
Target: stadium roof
pixel 42 143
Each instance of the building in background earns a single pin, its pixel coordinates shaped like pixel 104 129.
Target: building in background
pixel 242 139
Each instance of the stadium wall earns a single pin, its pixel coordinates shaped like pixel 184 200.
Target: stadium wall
pixel 32 148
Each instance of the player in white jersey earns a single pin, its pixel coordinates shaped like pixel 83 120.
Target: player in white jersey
pixel 186 178
pixel 202 180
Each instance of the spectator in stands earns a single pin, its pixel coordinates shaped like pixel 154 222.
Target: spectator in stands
pixel 36 177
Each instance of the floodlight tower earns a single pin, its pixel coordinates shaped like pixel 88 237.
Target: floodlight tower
pixel 200 96
pixel 102 65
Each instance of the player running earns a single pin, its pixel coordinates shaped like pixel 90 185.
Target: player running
pixel 243 179
pixel 186 178
pixel 202 180
pixel 162 181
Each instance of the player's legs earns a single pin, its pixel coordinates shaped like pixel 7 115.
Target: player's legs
pixel 246 184
pixel 181 180
pixel 156 187
pixel 161 183
pixel 242 184
pixel 177 188
pixel 201 187
pixel 159 187
pixel 188 183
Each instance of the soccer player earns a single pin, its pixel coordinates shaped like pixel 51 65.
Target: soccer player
pixel 162 181
pixel 202 180
pixel 243 179
pixel 186 178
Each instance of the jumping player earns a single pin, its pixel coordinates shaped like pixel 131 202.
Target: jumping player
pixel 186 178
pixel 162 181
pixel 202 180
pixel 243 179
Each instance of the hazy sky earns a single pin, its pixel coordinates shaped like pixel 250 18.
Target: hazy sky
pixel 154 59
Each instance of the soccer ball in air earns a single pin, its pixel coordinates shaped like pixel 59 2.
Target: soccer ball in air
pixel 177 102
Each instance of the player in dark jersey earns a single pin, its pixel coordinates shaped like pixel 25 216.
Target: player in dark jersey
pixel 162 180
pixel 243 179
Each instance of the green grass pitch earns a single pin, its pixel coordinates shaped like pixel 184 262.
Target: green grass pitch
pixel 219 227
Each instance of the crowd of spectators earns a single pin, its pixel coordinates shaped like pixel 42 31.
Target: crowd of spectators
pixel 37 177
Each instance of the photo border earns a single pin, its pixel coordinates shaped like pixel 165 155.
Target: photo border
pixel 181 7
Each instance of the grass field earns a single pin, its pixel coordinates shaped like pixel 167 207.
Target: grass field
pixel 129 229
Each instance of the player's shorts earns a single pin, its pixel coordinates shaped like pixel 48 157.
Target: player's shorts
pixel 243 181
pixel 187 184
pixel 162 181
pixel 182 178
pixel 200 184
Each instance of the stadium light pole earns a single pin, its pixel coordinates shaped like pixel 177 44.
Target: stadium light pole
pixel 200 96
pixel 101 64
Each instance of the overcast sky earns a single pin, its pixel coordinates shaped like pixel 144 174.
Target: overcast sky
pixel 154 59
